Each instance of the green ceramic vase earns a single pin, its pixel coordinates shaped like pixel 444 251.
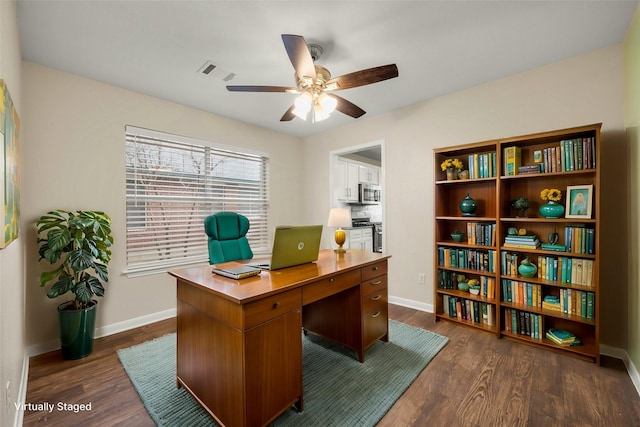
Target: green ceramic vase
pixel 551 209
pixel 468 206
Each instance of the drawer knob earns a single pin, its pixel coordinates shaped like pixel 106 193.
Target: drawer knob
pixel 331 280
pixel 375 268
pixel 376 314
pixel 377 282
pixel 276 304
pixel 376 297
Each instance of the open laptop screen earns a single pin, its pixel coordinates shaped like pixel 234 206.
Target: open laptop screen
pixel 293 245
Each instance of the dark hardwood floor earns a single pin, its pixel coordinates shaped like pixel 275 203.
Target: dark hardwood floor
pixel 476 380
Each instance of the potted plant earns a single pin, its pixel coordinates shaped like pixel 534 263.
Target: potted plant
pixel 78 245
pixel 521 204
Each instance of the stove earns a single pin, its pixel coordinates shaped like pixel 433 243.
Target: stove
pixel 377 231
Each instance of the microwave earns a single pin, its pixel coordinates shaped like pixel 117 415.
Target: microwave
pixel 368 194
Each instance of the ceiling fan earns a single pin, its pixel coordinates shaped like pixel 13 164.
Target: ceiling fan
pixel 315 85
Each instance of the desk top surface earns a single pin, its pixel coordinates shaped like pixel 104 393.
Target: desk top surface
pixel 276 281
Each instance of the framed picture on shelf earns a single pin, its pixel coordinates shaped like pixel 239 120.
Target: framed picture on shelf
pixel 579 199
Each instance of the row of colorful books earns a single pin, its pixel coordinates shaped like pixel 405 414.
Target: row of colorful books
pixel 580 239
pixel 472 259
pixel 577 154
pixel 577 303
pixel 569 155
pixel 481 233
pixel 523 323
pixel 523 293
pixel 470 310
pixel 577 271
pixel 482 165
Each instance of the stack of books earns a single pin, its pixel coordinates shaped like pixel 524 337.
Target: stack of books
pixel 528 169
pixel 562 337
pixel 522 242
pixel 551 302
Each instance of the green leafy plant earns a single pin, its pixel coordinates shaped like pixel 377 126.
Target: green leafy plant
pixel 520 203
pixel 78 245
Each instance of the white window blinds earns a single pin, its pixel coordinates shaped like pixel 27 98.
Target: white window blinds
pixel 173 184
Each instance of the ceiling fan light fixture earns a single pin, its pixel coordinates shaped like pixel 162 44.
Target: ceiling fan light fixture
pixel 319 114
pixel 304 102
pixel 328 103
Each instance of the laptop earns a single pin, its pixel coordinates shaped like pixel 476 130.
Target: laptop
pixel 293 245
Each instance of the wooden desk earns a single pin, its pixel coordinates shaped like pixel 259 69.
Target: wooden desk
pixel 239 342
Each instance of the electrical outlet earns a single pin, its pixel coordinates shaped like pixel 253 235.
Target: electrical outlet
pixel 421 279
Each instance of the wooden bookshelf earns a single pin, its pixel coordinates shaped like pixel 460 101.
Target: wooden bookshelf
pixel 493 190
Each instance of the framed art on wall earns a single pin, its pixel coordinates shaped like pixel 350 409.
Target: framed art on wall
pixel 579 199
pixel 9 129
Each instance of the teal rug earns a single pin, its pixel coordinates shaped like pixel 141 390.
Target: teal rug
pixel 339 390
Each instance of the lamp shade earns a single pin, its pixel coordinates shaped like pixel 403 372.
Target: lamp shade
pixel 339 217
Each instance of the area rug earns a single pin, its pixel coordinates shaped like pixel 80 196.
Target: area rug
pixel 339 390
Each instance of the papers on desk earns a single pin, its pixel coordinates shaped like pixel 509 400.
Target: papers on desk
pixel 241 272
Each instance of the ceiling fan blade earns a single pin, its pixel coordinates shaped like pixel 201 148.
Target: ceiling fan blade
pixel 300 56
pixel 365 77
pixel 348 107
pixel 288 115
pixel 262 89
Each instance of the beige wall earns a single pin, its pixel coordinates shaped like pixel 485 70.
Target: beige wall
pixel 632 124
pixel 582 90
pixel 65 118
pixel 74 159
pixel 12 309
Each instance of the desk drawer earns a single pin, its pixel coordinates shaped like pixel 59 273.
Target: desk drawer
pixel 333 285
pixel 373 270
pixel 374 284
pixel 375 324
pixel 375 299
pixel 259 312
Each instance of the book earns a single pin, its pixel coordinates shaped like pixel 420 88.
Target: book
pixel 512 159
pixel 561 335
pixel 241 272
pixel 530 168
pixel 550 247
pixel 522 245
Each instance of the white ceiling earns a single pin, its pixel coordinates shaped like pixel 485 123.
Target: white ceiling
pixel 157 47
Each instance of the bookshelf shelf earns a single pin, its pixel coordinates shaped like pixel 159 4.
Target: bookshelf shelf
pixel 522 166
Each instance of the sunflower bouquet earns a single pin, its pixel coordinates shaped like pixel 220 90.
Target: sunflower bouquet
pixel 451 164
pixel 551 194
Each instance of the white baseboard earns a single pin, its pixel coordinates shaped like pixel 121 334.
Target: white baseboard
pixel 22 391
pixel 416 305
pixel 107 330
pixel 135 323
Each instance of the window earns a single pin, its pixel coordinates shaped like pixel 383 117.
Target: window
pixel 173 184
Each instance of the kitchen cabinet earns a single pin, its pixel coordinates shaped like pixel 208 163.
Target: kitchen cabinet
pixel 369 174
pixel 347 178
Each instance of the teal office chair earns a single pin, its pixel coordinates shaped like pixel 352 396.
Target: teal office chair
pixel 227 237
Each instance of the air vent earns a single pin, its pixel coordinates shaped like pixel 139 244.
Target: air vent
pixel 211 69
